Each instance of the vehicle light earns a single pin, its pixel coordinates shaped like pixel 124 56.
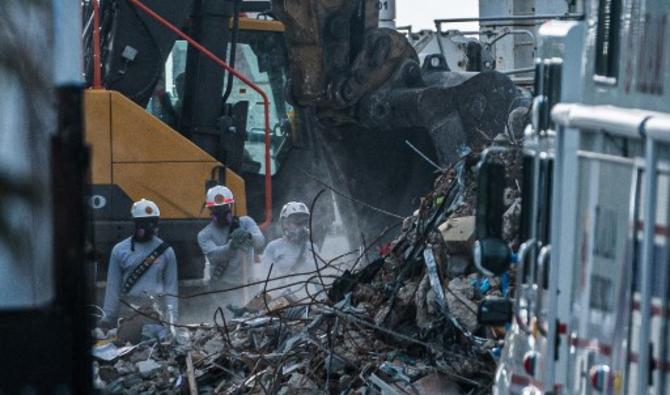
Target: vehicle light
pixel 599 375
pixel 531 391
pixel 530 362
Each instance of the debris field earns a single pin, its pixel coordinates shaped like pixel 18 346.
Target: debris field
pixel 404 322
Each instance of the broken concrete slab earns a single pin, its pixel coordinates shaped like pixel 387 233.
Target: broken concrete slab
pixel 459 234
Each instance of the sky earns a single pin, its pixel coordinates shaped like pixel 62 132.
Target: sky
pixel 421 13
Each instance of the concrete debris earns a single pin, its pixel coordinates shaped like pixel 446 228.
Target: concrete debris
pixel 123 368
pixel 299 384
pixel 510 196
pixel 459 234
pixel 109 351
pixel 402 323
pixel 213 345
pixel 108 373
pixel 435 384
pixel 425 303
pixel 148 368
pixel 459 301
pixel 458 265
pixel 511 221
pixel 140 355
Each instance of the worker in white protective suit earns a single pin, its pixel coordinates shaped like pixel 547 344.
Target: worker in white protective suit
pixel 143 272
pixel 229 244
pixel 292 254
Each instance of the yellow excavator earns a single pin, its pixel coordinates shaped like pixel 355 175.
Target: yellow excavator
pixel 159 121
pixel 170 121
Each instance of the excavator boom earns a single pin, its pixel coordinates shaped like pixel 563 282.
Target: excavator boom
pixel 353 72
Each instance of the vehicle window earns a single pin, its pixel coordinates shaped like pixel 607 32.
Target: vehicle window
pixel 174 67
pixel 261 58
pixel 607 38
pixel 604 210
pixel 272 81
pixel 170 87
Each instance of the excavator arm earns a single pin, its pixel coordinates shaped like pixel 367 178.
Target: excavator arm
pixel 338 52
pixel 354 73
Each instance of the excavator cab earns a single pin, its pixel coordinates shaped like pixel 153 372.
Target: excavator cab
pixel 261 56
pixel 167 122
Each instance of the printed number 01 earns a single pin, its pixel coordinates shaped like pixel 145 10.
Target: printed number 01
pixel 383 5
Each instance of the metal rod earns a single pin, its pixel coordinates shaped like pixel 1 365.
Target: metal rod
pixel 541 17
pixel 480 32
pixel 658 128
pixel 519 71
pixel 648 241
pixel 439 43
pixel 515 32
pixel 556 221
pixel 534 207
pixel 97 66
pixel 422 155
pixel 521 291
pixel 617 121
pixel 542 266
pixel 87 27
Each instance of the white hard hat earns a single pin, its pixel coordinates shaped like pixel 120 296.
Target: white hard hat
pixel 144 208
pixel 291 208
pixel 219 196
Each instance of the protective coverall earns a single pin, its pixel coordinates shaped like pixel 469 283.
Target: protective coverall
pixel 230 265
pixel 290 257
pixel 160 278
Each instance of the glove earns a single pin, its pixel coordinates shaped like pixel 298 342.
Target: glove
pixel 219 270
pixel 240 239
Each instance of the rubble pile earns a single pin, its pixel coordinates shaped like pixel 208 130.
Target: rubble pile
pixel 404 323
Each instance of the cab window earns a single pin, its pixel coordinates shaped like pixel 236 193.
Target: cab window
pixel 260 57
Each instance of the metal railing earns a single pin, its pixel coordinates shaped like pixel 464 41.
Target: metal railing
pixel 653 129
pixel 509 18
